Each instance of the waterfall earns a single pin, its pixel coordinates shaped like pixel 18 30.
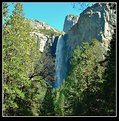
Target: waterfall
pixel 59 62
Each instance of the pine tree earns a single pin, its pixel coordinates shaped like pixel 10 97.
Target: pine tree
pixel 5 9
pixel 83 87
pixel 110 77
pixel 47 108
pixel 18 63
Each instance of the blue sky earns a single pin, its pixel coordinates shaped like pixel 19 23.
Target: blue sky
pixel 53 13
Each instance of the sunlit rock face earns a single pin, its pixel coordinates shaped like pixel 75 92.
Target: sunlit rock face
pixel 39 28
pixel 70 21
pixel 97 21
pixel 42 39
pixel 38 24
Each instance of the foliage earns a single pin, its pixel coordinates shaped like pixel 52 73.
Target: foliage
pixel 58 101
pixel 5 9
pixel 85 91
pixel 49 32
pixel 109 91
pixel 47 108
pixel 20 54
pixel 36 94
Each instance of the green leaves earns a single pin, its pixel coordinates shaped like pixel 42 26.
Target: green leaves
pixel 5 9
pixel 20 54
pixel 50 32
pixel 84 82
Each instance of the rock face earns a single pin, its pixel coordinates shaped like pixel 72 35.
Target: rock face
pixel 97 21
pixel 42 25
pixel 41 31
pixel 41 40
pixel 70 21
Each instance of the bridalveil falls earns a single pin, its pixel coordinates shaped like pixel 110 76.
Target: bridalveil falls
pixel 60 65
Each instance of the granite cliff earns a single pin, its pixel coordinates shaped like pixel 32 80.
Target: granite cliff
pixel 43 32
pixel 97 21
pixel 70 21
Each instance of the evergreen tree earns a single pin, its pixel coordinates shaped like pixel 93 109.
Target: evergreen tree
pixel 5 9
pixel 83 88
pixel 19 57
pixel 47 108
pixel 109 91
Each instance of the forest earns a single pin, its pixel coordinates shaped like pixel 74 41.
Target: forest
pixel 88 90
